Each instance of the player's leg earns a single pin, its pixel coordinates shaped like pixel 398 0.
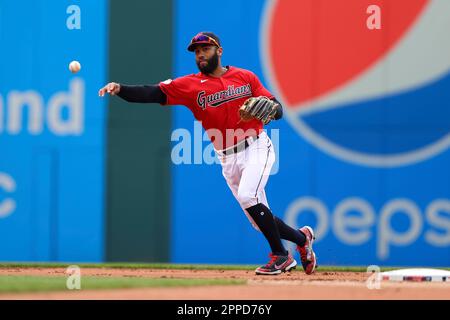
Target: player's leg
pixel 257 161
pixel 255 173
pixel 232 174
pixel 286 232
pixel 302 237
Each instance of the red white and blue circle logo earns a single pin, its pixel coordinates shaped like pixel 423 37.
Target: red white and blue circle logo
pixel 377 97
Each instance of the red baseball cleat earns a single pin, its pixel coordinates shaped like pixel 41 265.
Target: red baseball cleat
pixel 307 254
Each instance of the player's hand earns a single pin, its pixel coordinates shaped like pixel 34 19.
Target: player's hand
pixel 112 88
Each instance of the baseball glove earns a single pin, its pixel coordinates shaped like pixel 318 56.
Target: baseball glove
pixel 261 108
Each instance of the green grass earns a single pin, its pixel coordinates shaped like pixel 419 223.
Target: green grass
pixel 20 284
pixel 169 266
pixel 322 268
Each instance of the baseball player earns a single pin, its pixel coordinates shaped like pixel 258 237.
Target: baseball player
pixel 233 106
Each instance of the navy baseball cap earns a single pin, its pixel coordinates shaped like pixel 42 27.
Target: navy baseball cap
pixel 204 38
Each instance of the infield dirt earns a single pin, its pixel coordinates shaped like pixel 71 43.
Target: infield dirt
pixel 290 286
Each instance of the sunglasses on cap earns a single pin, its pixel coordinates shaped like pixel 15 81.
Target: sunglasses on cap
pixel 202 39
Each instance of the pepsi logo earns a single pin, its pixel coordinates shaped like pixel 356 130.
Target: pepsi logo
pixel 377 98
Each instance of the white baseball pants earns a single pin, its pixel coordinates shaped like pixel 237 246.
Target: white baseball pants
pixel 247 172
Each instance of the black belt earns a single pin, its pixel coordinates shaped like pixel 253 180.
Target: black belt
pixel 238 147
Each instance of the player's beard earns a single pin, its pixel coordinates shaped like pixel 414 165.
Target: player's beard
pixel 211 64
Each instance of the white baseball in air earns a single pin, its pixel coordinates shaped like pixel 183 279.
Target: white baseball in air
pixel 74 66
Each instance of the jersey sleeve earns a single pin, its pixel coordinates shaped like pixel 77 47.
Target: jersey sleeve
pixel 257 87
pixel 177 91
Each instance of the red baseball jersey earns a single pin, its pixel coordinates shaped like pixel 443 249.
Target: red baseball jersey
pixel 215 102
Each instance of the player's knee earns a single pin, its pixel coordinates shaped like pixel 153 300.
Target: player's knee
pixel 247 199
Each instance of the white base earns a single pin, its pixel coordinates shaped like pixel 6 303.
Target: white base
pixel 418 274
